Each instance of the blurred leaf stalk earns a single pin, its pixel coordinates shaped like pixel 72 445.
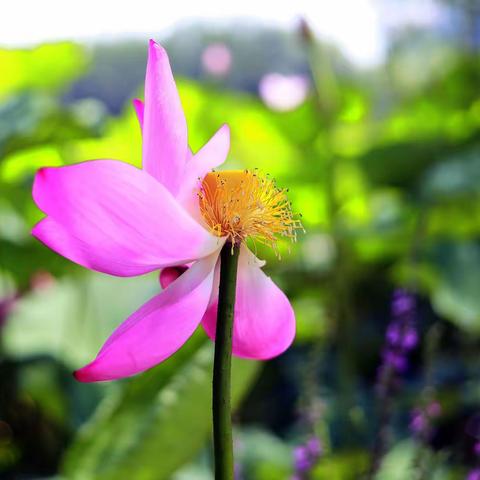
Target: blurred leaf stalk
pixel 326 92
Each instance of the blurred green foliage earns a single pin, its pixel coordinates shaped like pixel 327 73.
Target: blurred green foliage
pixel 47 67
pixel 157 423
pixel 388 186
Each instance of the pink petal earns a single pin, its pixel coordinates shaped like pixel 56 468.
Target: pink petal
pixel 210 156
pixel 169 274
pixel 264 322
pixel 157 330
pixel 164 125
pixel 139 108
pixel 112 217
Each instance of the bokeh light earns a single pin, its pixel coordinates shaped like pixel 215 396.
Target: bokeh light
pixel 217 59
pixel 283 92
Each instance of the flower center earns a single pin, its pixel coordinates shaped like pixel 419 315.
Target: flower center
pixel 243 203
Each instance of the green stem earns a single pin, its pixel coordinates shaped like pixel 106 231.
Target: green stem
pixel 222 419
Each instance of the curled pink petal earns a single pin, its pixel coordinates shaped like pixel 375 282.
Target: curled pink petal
pixel 114 218
pixel 169 274
pixel 210 156
pixel 157 330
pixel 264 321
pixel 139 108
pixel 165 147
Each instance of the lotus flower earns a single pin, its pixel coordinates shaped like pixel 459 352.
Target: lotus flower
pixel 175 214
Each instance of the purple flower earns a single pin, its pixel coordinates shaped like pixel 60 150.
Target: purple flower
pixel 237 471
pixel 301 457
pixel 410 338
pixel 419 422
pixel 401 336
pixel 474 474
pixel 394 335
pixel 402 303
pixel 314 447
pixel 395 359
pixel 476 449
pixel 306 456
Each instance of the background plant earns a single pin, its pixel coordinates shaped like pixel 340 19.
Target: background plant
pixel 387 181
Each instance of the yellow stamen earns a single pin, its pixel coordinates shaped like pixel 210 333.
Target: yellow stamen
pixel 241 203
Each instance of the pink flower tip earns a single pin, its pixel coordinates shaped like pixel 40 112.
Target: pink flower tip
pixel 34 230
pixel 87 374
pixel 80 376
pixel 40 175
pixel 155 47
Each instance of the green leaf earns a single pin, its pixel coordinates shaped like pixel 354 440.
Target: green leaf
pixel 263 455
pixel 345 465
pixel 456 294
pixel 48 66
pixel 458 176
pixel 156 422
pixel 408 459
pixel 69 318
